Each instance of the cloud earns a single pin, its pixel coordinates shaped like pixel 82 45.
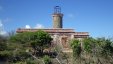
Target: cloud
pixel 2 32
pixel 39 26
pixel 27 26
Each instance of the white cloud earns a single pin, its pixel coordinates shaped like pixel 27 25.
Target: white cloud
pixel 2 32
pixel 27 27
pixel 39 26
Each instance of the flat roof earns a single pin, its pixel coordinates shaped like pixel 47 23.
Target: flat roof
pixel 54 30
pixel 46 30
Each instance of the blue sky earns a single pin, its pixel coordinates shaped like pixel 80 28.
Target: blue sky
pixel 93 16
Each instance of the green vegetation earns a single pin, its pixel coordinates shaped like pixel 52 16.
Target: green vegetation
pixel 47 59
pixel 35 48
pixel 23 48
pixel 92 51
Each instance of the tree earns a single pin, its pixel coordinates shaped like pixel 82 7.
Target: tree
pixel 3 45
pixel 40 41
pixel 35 41
pixel 76 46
pixel 93 50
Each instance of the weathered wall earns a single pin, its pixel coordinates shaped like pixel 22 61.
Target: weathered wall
pixel 57 21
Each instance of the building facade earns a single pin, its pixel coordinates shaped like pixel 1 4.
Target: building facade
pixel 60 35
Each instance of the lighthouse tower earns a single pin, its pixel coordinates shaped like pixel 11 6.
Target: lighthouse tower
pixel 57 17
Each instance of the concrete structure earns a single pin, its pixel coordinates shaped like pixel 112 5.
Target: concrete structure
pixel 60 35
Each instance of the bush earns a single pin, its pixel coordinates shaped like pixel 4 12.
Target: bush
pixel 47 59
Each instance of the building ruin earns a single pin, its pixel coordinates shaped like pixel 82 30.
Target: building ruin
pixel 60 35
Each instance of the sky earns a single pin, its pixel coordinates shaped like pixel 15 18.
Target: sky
pixel 93 16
